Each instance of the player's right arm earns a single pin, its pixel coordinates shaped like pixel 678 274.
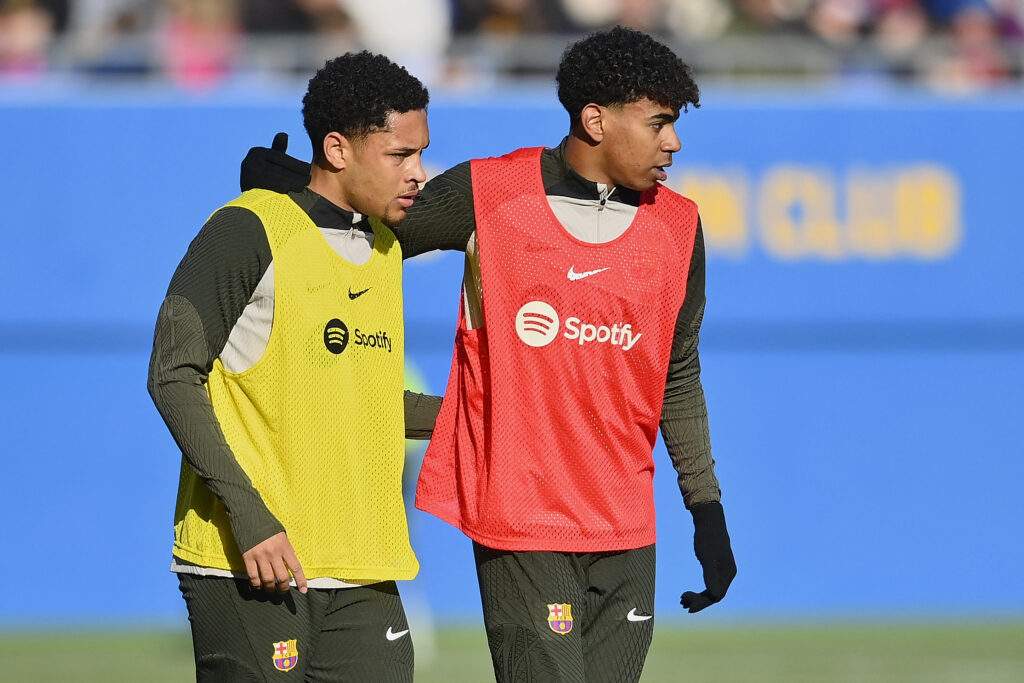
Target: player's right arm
pixel 208 292
pixel 442 216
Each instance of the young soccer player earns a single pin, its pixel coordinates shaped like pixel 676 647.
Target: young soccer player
pixel 278 367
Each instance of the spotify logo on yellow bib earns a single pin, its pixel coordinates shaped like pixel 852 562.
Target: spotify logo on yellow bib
pixel 335 336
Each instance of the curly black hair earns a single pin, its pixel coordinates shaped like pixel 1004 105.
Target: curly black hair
pixel 619 66
pixel 353 95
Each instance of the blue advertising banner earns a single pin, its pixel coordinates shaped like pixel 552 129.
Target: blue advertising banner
pixel 862 350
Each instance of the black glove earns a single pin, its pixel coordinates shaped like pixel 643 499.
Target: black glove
pixel 272 169
pixel 714 552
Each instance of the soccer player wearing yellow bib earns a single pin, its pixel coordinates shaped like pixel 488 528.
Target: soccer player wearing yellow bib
pixel 278 367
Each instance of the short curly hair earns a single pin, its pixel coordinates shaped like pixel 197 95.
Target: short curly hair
pixel 353 95
pixel 619 66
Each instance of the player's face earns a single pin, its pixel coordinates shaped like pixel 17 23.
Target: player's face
pixel 386 168
pixel 640 139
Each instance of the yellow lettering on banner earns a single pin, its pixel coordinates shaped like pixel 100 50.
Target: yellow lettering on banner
pixel 928 212
pixel 804 213
pixel 869 214
pixel 905 212
pixel 722 199
pixel 797 214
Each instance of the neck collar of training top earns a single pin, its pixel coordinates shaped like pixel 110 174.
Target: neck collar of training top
pixel 328 215
pixel 562 180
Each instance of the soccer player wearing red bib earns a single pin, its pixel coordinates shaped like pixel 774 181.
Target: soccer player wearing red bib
pixel 577 337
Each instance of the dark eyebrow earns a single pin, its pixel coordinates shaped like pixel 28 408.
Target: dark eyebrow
pixel 664 118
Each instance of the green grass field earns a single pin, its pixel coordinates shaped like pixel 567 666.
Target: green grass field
pixel 819 653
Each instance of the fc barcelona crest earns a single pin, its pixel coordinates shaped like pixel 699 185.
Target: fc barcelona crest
pixel 286 654
pixel 560 618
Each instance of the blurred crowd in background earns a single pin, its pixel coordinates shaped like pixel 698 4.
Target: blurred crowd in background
pixel 951 45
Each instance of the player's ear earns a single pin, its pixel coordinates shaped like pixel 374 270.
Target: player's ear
pixel 337 150
pixel 592 121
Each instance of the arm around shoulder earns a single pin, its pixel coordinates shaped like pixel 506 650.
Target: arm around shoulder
pixel 442 217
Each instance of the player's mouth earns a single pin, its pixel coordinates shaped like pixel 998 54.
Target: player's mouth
pixel 406 200
pixel 659 171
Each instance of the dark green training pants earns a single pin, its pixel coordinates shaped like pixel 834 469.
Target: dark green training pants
pixel 567 617
pixel 339 635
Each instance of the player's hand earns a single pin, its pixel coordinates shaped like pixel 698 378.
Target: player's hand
pixel 272 169
pixel 268 565
pixel 714 552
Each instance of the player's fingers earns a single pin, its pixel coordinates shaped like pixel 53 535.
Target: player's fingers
pixel 695 602
pixel 253 571
pixel 280 143
pixel 268 580
pixel 293 564
pixel 282 579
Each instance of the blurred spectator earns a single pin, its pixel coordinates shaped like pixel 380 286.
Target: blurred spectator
pixel 839 22
pixel 590 14
pixel 413 33
pixel 770 16
pixel 331 16
pixel 26 29
pixel 200 41
pixel 643 15
pixel 113 37
pixel 334 27
pixel 976 59
pixel 58 11
pixel 900 27
pixel 701 19
pixel 1010 14
pixel 276 16
pixel 509 17
pixel 945 12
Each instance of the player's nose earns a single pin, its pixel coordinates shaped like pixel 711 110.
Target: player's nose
pixel 417 173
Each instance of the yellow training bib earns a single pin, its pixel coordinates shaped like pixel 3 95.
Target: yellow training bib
pixel 318 422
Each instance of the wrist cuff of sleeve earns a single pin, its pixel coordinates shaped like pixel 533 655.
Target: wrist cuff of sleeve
pixel 708 514
pixel 252 534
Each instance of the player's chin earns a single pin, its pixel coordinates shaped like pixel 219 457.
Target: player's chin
pixel 393 216
pixel 645 183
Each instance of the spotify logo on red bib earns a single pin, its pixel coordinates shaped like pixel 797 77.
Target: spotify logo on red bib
pixel 537 324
